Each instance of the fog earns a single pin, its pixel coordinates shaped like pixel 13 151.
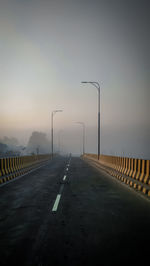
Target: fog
pixel 38 144
pixel 10 147
pixel 48 47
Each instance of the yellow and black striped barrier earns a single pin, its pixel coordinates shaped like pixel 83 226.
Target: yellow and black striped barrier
pixel 136 169
pixel 15 166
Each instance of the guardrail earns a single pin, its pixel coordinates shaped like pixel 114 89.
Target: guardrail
pixel 15 166
pixel 137 169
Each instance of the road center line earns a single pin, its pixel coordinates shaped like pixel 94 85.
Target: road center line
pixel 54 209
pixel 56 203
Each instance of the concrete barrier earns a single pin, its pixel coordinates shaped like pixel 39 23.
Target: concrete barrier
pixel 3 165
pixel 127 164
pixel 132 167
pixel 143 172
pixel 129 167
pixel 147 176
pixel 12 167
pixel 135 168
pixel 1 173
pixel 138 169
pixel 121 165
pixel 124 165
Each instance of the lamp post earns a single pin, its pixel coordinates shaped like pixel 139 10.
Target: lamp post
pixel 52 131
pixel 96 84
pixel 83 126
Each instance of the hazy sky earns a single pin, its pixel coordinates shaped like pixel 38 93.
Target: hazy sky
pixel 47 47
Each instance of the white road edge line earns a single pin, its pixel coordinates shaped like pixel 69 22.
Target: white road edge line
pixel 54 209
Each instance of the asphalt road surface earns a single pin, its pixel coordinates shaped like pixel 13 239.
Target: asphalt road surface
pixel 68 213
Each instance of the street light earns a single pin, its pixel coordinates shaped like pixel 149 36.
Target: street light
pixel 83 126
pixel 96 84
pixel 53 113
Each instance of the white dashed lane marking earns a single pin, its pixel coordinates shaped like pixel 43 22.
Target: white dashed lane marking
pixel 56 203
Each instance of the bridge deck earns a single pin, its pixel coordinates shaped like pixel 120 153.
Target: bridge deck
pixel 69 213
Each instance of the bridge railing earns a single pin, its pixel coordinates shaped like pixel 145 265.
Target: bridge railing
pixel 14 166
pixel 138 169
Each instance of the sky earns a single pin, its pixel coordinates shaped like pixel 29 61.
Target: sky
pixel 47 47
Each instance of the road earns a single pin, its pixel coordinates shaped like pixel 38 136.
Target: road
pixel 69 213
